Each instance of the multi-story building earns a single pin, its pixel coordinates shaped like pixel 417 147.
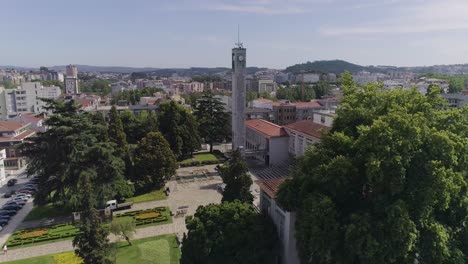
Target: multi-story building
pixel 303 134
pixel 259 113
pixel 26 99
pixel 263 139
pixel 457 100
pixel 305 110
pixel 284 112
pixel 12 134
pixel 307 78
pixel 267 86
pixel 71 80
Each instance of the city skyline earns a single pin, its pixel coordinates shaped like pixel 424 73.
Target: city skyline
pixel 170 34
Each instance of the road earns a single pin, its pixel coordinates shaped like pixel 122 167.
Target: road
pixel 18 218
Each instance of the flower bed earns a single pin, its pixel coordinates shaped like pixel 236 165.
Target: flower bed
pixel 147 215
pixel 35 233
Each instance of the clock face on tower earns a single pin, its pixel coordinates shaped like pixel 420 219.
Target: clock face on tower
pixel 241 58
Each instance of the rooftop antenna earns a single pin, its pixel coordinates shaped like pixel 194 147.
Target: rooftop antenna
pixel 239 44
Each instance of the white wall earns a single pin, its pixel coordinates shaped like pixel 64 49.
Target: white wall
pixel 2 167
pixel 285 226
pixel 278 150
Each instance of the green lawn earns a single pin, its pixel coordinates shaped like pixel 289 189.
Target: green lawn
pixel 46 211
pixel 151 196
pixel 200 157
pixel 160 250
pixel 157 250
pixel 68 231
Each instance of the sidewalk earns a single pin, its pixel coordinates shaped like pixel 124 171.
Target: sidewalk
pixel 178 226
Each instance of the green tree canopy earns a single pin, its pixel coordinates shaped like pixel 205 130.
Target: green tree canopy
pixel 116 131
pixel 231 233
pixel 235 175
pixel 123 227
pixel 388 184
pixel 154 161
pixel 73 142
pixel 214 122
pixel 180 129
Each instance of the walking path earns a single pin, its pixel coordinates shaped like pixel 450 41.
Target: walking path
pixel 191 194
pixel 63 246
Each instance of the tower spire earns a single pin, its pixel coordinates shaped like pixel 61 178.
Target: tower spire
pixel 238 44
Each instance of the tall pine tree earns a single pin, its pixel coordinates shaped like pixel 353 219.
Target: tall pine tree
pixel 214 125
pixel 235 175
pixel 92 245
pixel 116 131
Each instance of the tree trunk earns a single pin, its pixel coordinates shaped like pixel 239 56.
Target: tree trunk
pixel 128 240
pixel 211 146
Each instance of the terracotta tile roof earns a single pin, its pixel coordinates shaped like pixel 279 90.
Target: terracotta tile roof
pixel 308 127
pixel 313 104
pixel 263 100
pixel 29 118
pixel 266 128
pixel 20 137
pixel 249 110
pixel 270 187
pixel 10 126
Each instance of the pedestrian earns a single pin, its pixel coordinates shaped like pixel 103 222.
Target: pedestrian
pixel 5 249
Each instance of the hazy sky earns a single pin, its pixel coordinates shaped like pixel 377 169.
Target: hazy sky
pixel 276 33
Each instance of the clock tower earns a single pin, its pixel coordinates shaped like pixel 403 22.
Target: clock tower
pixel 238 97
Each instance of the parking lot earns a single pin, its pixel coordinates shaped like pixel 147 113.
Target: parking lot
pixel 18 218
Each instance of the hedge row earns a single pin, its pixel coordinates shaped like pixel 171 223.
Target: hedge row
pixel 19 241
pixel 134 213
pixel 151 220
pixel 200 163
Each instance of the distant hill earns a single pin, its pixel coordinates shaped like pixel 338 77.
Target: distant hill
pixel 116 69
pixel 326 66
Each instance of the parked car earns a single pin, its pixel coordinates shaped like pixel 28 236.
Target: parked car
pixel 20 203
pixel 26 191
pixel 7 195
pixel 12 182
pixel 30 188
pixel 11 207
pixel 3 222
pixel 27 195
pixel 5 216
pixel 7 212
pixel 19 199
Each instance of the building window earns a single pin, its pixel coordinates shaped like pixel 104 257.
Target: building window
pixel 322 119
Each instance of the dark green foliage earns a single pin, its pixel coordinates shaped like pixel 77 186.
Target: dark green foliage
pixel 116 132
pixel 180 129
pixel 237 180
pixel 133 96
pixel 98 86
pixel 457 83
pixel 331 66
pixel 58 156
pixel 303 92
pixel 250 96
pixel 214 125
pixel 92 244
pixel 137 126
pixel 387 185
pixel 191 98
pixel 230 233
pixel 154 162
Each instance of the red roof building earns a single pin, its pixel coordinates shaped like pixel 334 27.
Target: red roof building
pixel 266 128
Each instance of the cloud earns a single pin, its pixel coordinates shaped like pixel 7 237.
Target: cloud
pixel 412 17
pixel 266 7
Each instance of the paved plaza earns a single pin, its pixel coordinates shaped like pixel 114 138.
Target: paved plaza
pixel 188 194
